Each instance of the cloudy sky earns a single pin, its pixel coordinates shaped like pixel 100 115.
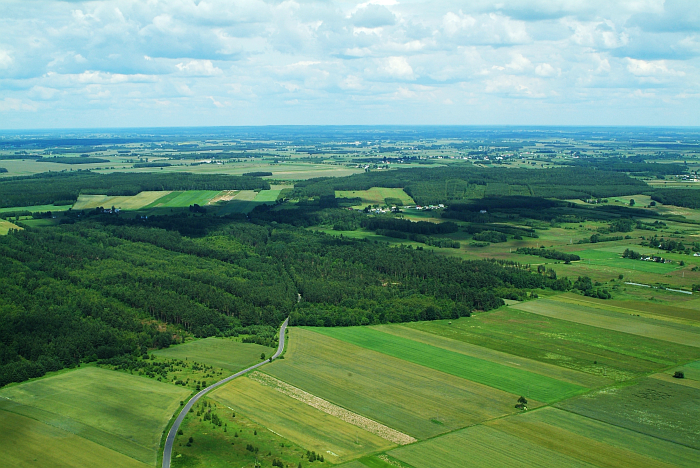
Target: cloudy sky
pixel 127 63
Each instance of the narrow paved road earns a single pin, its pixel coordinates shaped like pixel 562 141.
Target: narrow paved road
pixel 168 449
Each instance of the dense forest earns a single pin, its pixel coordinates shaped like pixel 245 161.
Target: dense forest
pixel 107 285
pixel 64 187
pixel 677 197
pixel 455 183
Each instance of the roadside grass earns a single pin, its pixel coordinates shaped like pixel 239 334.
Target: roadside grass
pixel 567 309
pixel 597 351
pixel 224 446
pixel 28 442
pixel 297 421
pixel 224 353
pixel 658 408
pixel 5 227
pixel 509 379
pixel 376 195
pixel 402 395
pixel 122 412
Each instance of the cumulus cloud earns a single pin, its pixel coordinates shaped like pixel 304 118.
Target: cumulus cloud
pixel 199 68
pixel 411 58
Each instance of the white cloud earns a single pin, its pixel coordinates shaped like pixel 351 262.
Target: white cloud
pixel 5 59
pixel 216 103
pixel 199 68
pixel 13 104
pixel 546 70
pixel 650 68
pixel 397 67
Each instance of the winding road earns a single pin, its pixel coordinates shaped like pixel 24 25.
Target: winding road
pixel 168 449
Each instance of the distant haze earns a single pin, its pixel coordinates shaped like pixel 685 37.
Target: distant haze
pixel 137 63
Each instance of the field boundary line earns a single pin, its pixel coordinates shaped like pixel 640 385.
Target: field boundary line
pixel 170 440
pixel 363 422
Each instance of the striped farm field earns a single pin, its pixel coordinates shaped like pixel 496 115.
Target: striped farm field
pixel 582 313
pixel 596 351
pixel 267 195
pixel 542 368
pixel 298 422
pixel 412 399
pixel 557 436
pixel 493 374
pixel 662 409
pixel 482 447
pixel 121 412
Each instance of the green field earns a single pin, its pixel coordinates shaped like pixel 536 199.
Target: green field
pixel 615 260
pixel 36 208
pixel 267 195
pixel 28 442
pixel 413 399
pixel 508 379
pixel 661 409
pixel 136 202
pixel 116 410
pixel 597 351
pixel 224 353
pixel 298 422
pixel 376 195
pixel 185 199
pixel 567 309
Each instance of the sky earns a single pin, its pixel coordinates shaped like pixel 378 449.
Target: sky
pixel 159 63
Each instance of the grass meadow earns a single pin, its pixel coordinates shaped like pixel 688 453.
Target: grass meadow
pixel 223 353
pixel 509 379
pixel 413 399
pixel 5 227
pixel 121 412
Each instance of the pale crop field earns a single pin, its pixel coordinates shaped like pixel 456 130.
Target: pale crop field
pixel 136 202
pixel 376 195
pixel 219 352
pixel 581 313
pixel 298 422
pixel 410 398
pixel 5 227
pixel 509 379
pixel 119 411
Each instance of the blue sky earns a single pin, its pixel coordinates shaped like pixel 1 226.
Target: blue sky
pixel 127 63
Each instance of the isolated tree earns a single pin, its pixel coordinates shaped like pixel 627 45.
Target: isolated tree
pixel 679 374
pixel 631 201
pixel 262 356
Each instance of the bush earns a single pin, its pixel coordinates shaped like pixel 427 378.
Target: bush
pixel 679 374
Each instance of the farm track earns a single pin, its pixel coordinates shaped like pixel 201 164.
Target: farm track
pixel 168 448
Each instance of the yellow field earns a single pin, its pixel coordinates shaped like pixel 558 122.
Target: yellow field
pixel 565 308
pixel 297 421
pixel 410 398
pixel 376 195
pixel 138 201
pixel 5 227
pixel 550 370
pixel 27 442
